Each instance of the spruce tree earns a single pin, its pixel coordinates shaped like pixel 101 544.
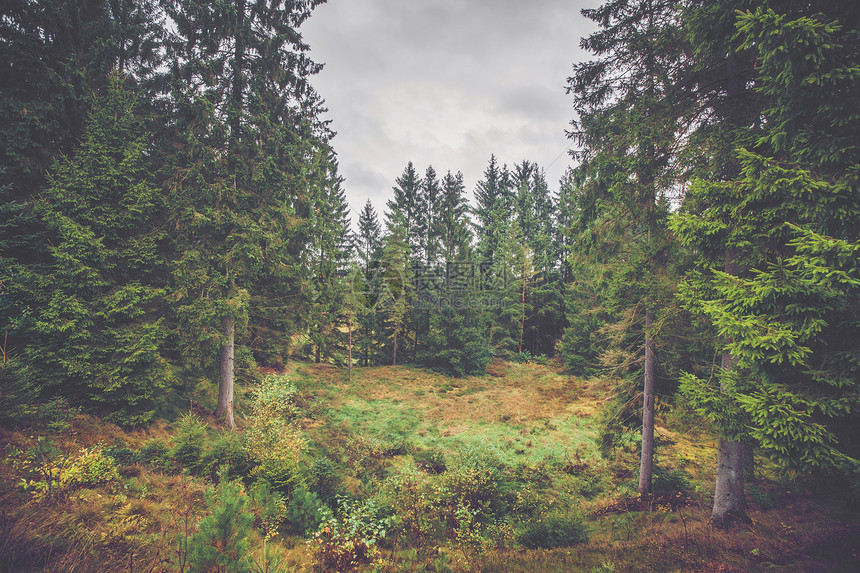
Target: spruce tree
pixel 331 246
pixel 456 339
pixel 101 294
pixel 790 218
pixel 627 122
pixel 247 125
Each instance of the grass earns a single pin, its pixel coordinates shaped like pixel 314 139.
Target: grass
pixel 538 426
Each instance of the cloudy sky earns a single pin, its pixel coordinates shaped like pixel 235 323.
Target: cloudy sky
pixel 445 83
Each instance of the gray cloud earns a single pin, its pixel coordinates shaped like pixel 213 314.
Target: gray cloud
pixel 444 82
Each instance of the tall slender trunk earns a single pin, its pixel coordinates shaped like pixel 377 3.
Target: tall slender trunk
pixel 224 409
pixel 646 461
pixel 729 502
pixel 523 301
pixel 349 368
pixel 394 355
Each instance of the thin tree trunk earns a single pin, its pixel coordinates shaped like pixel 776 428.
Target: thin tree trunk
pixel 394 355
pixel 523 319
pixel 646 462
pixel 349 369
pixel 729 502
pixel 224 409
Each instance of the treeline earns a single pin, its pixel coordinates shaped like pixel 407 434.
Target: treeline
pixel 449 285
pixel 169 198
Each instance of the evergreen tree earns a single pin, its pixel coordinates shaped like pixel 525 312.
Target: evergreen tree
pixel 247 129
pixel 369 244
pixel 788 221
pixel 54 56
pixel 430 197
pixel 406 207
pixel 100 297
pixel 456 338
pixel 369 239
pixel 222 541
pixel 726 114
pixel 396 292
pixel 331 247
pixel 628 122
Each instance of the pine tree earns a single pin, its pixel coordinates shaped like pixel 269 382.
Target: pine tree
pixel 222 541
pixel 396 293
pixel 369 244
pixel 405 207
pixel 331 246
pixel 456 337
pixel 54 56
pixel 369 238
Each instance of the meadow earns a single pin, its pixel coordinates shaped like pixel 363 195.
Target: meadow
pixel 525 468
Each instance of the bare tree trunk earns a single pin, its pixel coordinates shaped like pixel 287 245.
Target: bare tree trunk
pixel 646 462
pixel 394 357
pixel 224 409
pixel 523 319
pixel 729 502
pixel 349 368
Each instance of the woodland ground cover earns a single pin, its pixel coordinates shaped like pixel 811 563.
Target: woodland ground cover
pixel 402 469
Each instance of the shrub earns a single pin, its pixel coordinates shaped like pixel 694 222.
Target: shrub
pixel 430 461
pixel 154 454
pixel 189 443
pixel 306 511
pixel 227 450
pixel 553 531
pixel 324 479
pixel 91 468
pixel 667 480
pixel 353 539
pixel 274 443
pixel 475 479
pixel 51 472
pixel 123 456
pixel 762 499
pixel 422 508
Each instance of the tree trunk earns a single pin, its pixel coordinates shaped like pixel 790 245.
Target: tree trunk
pixel 394 356
pixel 224 409
pixel 349 369
pixel 646 462
pixel 729 502
pixel 523 301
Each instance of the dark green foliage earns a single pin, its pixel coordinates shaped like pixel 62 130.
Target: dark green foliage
pixel 101 294
pixel 306 511
pixel 323 479
pixel 155 454
pixel 189 443
pixel 430 461
pixel 791 215
pixel 551 531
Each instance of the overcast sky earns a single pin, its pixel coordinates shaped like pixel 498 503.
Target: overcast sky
pixel 445 83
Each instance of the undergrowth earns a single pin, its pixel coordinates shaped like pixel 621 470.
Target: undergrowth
pixel 403 470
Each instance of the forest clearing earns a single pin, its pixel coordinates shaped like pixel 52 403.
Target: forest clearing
pixel 240 331
pixel 442 474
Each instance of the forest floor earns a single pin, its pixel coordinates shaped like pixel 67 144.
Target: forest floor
pixel 541 428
